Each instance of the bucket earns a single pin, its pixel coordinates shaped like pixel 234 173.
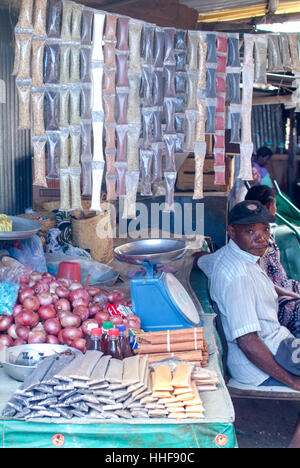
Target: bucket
pixel 69 270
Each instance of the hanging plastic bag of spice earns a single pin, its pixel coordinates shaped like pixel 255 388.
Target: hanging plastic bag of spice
pixel 24 69
pixel 51 110
pixel 135 32
pixel 97 47
pixel 75 189
pixel 53 142
pixel 65 54
pixel 75 92
pixel 86 102
pixel 51 63
pixel 86 27
pixel 38 46
pixel 85 65
pixel 75 64
pixel 40 15
pixel 146 174
pixel 54 18
pixel 24 107
pixel 25 15
pixel 64 99
pixel 170 179
pixel 64 190
pixel 76 22
pixel 66 34
pixel 37 99
pixel 131 182
pixel 39 162
pixel 64 149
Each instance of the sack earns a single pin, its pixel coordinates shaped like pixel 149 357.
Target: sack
pixel 30 253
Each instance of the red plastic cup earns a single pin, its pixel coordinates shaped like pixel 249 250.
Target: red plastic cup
pixel 69 270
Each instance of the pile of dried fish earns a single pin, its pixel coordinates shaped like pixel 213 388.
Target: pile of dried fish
pixel 88 385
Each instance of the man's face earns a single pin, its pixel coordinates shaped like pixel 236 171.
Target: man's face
pixel 252 238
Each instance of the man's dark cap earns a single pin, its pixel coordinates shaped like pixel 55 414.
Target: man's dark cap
pixel 250 212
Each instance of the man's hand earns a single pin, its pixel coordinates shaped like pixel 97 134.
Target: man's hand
pixel 196 257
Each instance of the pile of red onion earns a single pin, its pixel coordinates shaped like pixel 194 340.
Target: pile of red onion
pixel 59 312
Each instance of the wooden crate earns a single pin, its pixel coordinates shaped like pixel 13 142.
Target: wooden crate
pixel 186 175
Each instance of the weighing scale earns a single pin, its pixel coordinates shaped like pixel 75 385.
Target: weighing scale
pixel 158 298
pixel 22 228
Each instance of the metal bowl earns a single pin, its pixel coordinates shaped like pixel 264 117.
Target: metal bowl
pixel 35 352
pixel 151 250
pixel 22 228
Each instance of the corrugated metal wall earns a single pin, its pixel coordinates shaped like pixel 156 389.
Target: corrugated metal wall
pixel 268 125
pixel 15 145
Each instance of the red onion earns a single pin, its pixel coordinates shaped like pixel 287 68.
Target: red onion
pixel 53 285
pixel 12 331
pixel 79 343
pixel 17 309
pixel 40 288
pixel 134 324
pixel 88 325
pixel 93 309
pixel 70 320
pixel 55 298
pixel 80 302
pixel 45 299
pixel 52 326
pixel 47 312
pixel 70 334
pixel 31 303
pixel 101 298
pixel 24 280
pixel 27 318
pixel 37 336
pixel 51 339
pixel 60 337
pixel 63 304
pixel 36 276
pixel 62 291
pixel 65 282
pixel 47 278
pixel 25 293
pixel 5 322
pixel 82 312
pixel 93 291
pixel 101 317
pixel 19 341
pixel 75 285
pixel 5 341
pixel 79 293
pixel 22 332
pixel 116 319
pixel 115 296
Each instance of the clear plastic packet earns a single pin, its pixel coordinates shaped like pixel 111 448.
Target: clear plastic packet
pixel 260 55
pixel 169 71
pixel 17 54
pixel 85 65
pixel 54 18
pixel 157 162
pixel 202 54
pixel 122 69
pixel 274 56
pixel 180 40
pixel 75 148
pixel 110 55
pixel 180 103
pixel 170 180
pixel 157 124
pixel 110 33
pixel 39 163
pixel 64 139
pixel 158 47
pixel 86 140
pixel 211 39
pixel 64 182
pixel 37 105
pixel 220 178
pixel 66 34
pixel 76 22
pixel 190 133
pixel 86 166
pixel 121 107
pixel 146 176
pixel 222 63
pixel 97 176
pixel 234 80
pixel 235 119
pixel 211 82
pixel 97 78
pixel 147 44
pixel 200 152
pixel 180 58
pixel 53 142
pixel 179 123
pixel 86 103
pixel 221 83
pixel 169 57
pixel 75 64
pixel 12 273
pixel 121 134
pixel 121 168
pixel 201 120
pixel 75 189
pixel 192 81
pixel 64 106
pixel 111 181
pixel 170 142
pixel 51 110
pixel 64 72
pixel 147 86
pixel 24 107
pixel 109 108
pixel 37 64
pixel 75 93
pixel 134 101
pixel 52 63
pixel 109 82
pixel 285 51
pixel 169 111
pixel 180 83
pixel 245 172
pixel 294 50
pixel 40 16
pixel 122 33
pixel 219 140
pixel 110 137
pixel 147 124
pixel 131 186
pixel 25 15
pixel 98 128
pixel 133 137
pixel 24 69
pixel 87 27
pixel 192 47
pixel 97 47
pixel 233 58
pixel 210 119
pixel 134 37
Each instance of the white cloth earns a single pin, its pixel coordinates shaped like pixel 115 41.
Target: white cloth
pixel 248 303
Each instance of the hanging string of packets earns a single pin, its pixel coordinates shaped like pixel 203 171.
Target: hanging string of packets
pixel 113 99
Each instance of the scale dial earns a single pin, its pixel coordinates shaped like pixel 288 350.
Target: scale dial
pixel 181 298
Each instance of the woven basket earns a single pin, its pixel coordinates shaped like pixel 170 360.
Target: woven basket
pixel 95 233
pixel 47 223
pixel 54 205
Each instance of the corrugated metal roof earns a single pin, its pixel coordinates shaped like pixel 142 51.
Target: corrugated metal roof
pixel 203 6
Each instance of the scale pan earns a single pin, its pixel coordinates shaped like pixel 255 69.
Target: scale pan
pixel 151 251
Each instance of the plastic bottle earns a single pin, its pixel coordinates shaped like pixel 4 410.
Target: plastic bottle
pixel 94 340
pixel 124 341
pixel 113 346
pixel 104 340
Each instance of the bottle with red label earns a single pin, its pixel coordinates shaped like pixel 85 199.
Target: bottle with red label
pixel 124 341
pixel 113 345
pixel 94 340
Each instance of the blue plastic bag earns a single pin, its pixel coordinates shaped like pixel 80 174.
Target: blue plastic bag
pixel 31 253
pixel 8 296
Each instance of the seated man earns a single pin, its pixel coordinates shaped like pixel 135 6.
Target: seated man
pixel 259 348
